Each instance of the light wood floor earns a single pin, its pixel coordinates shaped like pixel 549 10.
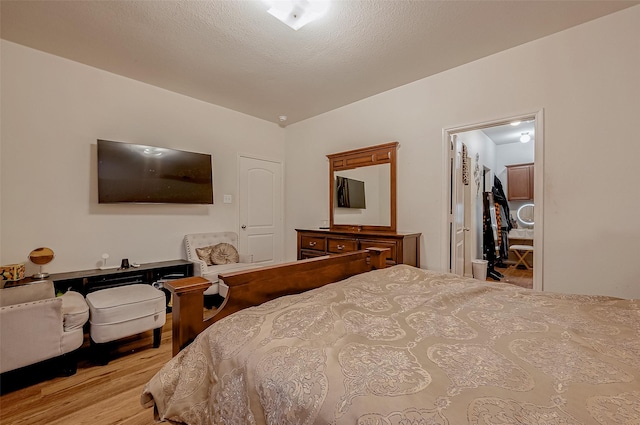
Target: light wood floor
pixel 519 277
pixel 95 395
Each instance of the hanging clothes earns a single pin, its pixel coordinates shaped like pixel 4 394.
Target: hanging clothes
pixel 500 198
pixel 505 225
pixel 489 236
pixel 498 223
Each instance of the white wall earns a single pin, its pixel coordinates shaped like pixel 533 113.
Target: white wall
pixel 53 110
pixel 585 78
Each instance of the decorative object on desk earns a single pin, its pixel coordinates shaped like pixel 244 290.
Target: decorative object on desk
pixel 12 272
pixel 104 265
pixel 124 264
pixel 41 256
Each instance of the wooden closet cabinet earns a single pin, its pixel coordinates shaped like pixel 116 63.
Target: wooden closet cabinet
pixel 405 247
pixel 520 182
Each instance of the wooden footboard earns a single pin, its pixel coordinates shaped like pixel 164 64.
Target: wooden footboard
pixel 256 286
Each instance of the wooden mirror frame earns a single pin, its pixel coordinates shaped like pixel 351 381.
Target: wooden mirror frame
pixel 364 157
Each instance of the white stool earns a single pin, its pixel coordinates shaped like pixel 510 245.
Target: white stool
pixel 521 252
pixel 123 311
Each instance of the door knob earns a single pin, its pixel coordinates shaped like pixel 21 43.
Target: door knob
pixel 244 226
pixel 466 229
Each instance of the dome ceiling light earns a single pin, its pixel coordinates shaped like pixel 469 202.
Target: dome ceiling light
pixel 297 13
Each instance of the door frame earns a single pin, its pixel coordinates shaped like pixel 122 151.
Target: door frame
pixel 538 191
pixel 281 249
pixel 457 201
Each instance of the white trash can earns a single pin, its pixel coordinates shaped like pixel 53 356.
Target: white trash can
pixel 479 269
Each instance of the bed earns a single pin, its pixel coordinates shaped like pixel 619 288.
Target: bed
pixel 402 345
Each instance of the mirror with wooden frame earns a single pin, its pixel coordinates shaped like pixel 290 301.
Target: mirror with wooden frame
pixel 362 189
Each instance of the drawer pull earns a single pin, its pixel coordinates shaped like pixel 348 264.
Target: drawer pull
pixel 312 243
pixel 340 247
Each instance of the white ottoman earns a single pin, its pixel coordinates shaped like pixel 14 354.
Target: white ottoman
pixel 123 311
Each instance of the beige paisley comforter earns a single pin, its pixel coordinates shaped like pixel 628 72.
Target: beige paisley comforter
pixel 406 346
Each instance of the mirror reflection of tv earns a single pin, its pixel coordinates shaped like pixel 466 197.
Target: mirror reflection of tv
pixel 131 173
pixel 350 193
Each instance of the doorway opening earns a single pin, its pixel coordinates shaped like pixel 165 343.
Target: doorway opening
pixel 480 159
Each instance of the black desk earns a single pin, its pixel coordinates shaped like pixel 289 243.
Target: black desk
pixel 86 281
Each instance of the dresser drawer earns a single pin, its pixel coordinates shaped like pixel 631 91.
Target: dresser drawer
pixel 313 242
pixel 404 247
pixel 393 254
pixel 338 246
pixel 309 253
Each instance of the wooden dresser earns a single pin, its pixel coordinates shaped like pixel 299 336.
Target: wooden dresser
pixel 405 247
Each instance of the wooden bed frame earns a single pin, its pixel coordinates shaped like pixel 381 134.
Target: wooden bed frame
pixel 256 286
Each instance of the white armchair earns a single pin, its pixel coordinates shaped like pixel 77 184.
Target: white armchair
pixel 35 325
pixel 211 271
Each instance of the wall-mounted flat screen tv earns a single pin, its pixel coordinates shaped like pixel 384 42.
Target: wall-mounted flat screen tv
pixel 350 193
pixel 147 174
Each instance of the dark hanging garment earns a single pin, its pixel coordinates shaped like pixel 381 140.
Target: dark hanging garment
pixel 488 239
pixel 500 198
pixel 488 242
pixel 503 236
pixel 499 224
pixel 504 245
pixel 505 225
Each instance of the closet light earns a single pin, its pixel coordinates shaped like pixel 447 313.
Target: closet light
pixel 515 123
pixel 297 13
pixel 524 138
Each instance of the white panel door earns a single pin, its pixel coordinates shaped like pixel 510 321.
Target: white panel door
pixel 457 209
pixel 260 208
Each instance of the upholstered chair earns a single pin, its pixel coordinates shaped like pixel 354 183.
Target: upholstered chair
pixel 35 325
pixel 196 246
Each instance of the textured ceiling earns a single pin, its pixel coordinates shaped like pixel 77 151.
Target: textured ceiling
pixel 234 54
pixel 505 134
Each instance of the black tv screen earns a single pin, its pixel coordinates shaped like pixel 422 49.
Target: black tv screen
pixel 350 193
pixel 147 174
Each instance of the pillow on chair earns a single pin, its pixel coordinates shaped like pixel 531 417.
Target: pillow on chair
pixel 224 253
pixel 205 254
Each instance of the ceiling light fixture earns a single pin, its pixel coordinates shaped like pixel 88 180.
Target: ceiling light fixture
pixel 297 13
pixel 524 138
